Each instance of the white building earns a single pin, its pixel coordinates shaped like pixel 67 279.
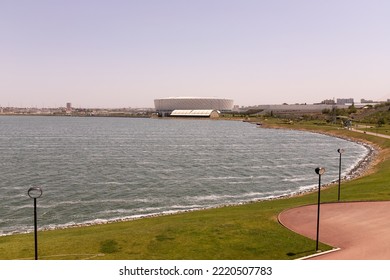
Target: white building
pixel 165 106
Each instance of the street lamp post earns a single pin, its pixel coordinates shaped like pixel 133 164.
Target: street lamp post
pixel 319 171
pixel 340 151
pixel 35 192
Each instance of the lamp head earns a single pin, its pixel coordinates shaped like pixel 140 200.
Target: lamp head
pixel 320 170
pixel 34 192
pixel 340 151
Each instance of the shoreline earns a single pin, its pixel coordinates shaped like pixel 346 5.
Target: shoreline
pixel 363 167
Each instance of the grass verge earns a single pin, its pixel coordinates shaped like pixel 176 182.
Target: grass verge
pixel 249 231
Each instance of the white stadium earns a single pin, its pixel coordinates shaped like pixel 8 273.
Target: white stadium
pixel 167 106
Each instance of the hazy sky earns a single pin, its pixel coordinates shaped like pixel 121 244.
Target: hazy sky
pixel 126 53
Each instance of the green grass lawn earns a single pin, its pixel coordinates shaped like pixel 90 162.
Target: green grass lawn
pixel 249 231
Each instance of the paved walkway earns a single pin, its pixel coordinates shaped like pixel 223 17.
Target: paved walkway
pixel 371 133
pixel 360 229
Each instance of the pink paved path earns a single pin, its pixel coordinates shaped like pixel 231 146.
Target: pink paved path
pixel 360 229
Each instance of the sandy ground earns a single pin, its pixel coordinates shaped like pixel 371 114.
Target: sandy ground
pixel 360 229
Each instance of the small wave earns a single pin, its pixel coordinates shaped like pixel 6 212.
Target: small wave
pixel 195 206
pixel 243 196
pixel 115 211
pixel 150 209
pixel 249 177
pixel 110 183
pixel 20 207
pixel 209 197
pixel 307 187
pixel 297 179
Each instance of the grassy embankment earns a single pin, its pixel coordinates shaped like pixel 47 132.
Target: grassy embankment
pixel 248 231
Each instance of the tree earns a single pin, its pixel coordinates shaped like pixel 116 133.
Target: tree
pixel 381 121
pixel 352 109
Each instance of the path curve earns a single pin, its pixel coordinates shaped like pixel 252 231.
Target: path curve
pixel 360 229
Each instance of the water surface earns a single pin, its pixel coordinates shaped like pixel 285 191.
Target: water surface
pixel 99 169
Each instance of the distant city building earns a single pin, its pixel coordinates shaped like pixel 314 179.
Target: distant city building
pixel 236 108
pixel 328 102
pixel 69 106
pixel 343 101
pixel 366 101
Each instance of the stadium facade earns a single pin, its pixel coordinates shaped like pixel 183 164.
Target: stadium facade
pixel 165 106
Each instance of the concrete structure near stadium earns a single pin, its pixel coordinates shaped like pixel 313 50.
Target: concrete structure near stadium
pixel 212 114
pixel 165 106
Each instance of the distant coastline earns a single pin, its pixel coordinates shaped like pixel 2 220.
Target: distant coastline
pixel 77 112
pixel 110 115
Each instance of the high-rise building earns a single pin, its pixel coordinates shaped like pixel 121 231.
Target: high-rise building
pixel 343 101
